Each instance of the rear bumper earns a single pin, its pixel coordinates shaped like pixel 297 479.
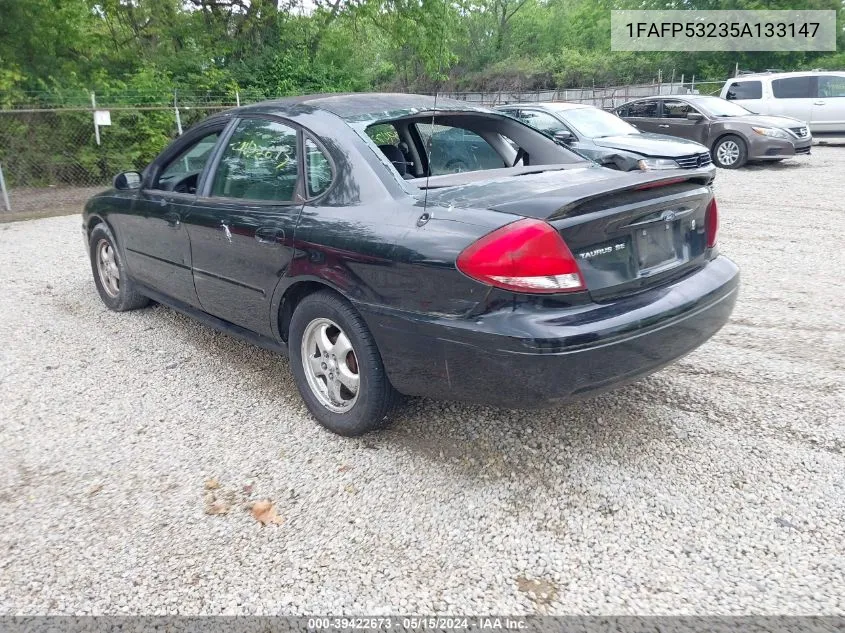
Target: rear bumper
pixel 765 148
pixel 529 356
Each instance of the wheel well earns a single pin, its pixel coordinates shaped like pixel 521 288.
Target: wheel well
pixel 92 223
pixel 293 295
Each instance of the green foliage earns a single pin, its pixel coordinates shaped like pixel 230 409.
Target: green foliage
pixel 136 53
pixel 56 51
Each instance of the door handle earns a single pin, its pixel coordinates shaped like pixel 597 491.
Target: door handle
pixel 269 235
pixel 819 102
pixel 662 125
pixel 173 219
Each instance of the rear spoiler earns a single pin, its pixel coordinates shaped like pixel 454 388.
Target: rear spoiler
pixel 568 199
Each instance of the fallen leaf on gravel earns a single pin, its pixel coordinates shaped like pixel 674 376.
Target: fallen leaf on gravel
pixel 344 468
pixel 350 489
pixel 95 489
pixel 212 484
pixel 217 507
pixel 540 591
pixel 247 489
pixel 265 512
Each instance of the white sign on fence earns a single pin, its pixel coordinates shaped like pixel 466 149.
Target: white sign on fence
pixel 102 117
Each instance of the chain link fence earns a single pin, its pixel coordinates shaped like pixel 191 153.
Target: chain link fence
pixel 52 161
pixel 602 97
pixel 51 156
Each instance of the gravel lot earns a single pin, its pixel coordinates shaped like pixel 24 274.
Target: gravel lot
pixel 715 486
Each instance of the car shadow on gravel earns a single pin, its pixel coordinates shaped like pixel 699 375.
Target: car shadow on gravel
pixel 266 370
pixel 482 442
pixel 785 165
pixel 487 443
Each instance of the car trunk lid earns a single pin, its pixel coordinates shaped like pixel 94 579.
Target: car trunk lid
pixel 628 231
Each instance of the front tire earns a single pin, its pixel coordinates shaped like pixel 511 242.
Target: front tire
pixel 730 152
pixel 115 287
pixel 337 366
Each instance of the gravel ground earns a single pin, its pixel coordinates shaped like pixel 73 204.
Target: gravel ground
pixel 715 486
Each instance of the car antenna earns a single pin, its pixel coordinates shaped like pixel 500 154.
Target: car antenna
pixel 425 214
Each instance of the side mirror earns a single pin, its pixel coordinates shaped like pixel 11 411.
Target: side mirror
pixel 695 116
pixel 127 180
pixel 563 137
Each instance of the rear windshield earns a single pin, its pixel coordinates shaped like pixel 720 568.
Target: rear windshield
pixel 426 145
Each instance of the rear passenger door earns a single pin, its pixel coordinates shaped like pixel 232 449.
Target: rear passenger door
pixel 794 96
pixel 643 115
pixel 242 225
pixel 828 114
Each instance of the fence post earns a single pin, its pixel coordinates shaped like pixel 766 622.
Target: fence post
pixel 3 189
pixel 178 118
pixel 237 98
pixel 94 114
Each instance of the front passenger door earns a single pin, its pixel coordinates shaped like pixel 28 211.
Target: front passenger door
pixel 242 225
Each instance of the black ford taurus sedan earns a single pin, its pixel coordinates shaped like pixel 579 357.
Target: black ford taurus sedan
pixel 338 229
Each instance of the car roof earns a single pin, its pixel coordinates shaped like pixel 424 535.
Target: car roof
pixel 358 107
pixel 796 73
pixel 551 105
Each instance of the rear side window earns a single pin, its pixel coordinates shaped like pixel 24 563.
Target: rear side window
pixel 831 86
pixel 793 88
pixel 318 169
pixel 541 121
pixel 643 109
pixel 744 90
pixel 259 163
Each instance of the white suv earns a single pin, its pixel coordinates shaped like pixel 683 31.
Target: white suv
pixel 817 97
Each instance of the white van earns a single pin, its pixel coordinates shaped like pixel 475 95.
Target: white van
pixel 817 97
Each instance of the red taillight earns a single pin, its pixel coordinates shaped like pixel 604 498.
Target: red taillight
pixel 526 256
pixel 711 223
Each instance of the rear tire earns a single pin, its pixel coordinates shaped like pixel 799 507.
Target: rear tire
pixel 730 152
pixel 337 366
pixel 116 288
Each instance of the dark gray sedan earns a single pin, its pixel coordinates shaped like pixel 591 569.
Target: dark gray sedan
pixel 733 134
pixel 607 139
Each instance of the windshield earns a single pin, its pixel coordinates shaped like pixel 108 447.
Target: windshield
pixel 716 106
pixel 595 123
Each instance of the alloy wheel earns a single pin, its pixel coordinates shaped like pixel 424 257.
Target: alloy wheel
pixel 330 364
pixel 107 268
pixel 727 152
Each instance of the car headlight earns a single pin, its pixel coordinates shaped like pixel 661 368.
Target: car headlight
pixel 646 164
pixel 772 132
